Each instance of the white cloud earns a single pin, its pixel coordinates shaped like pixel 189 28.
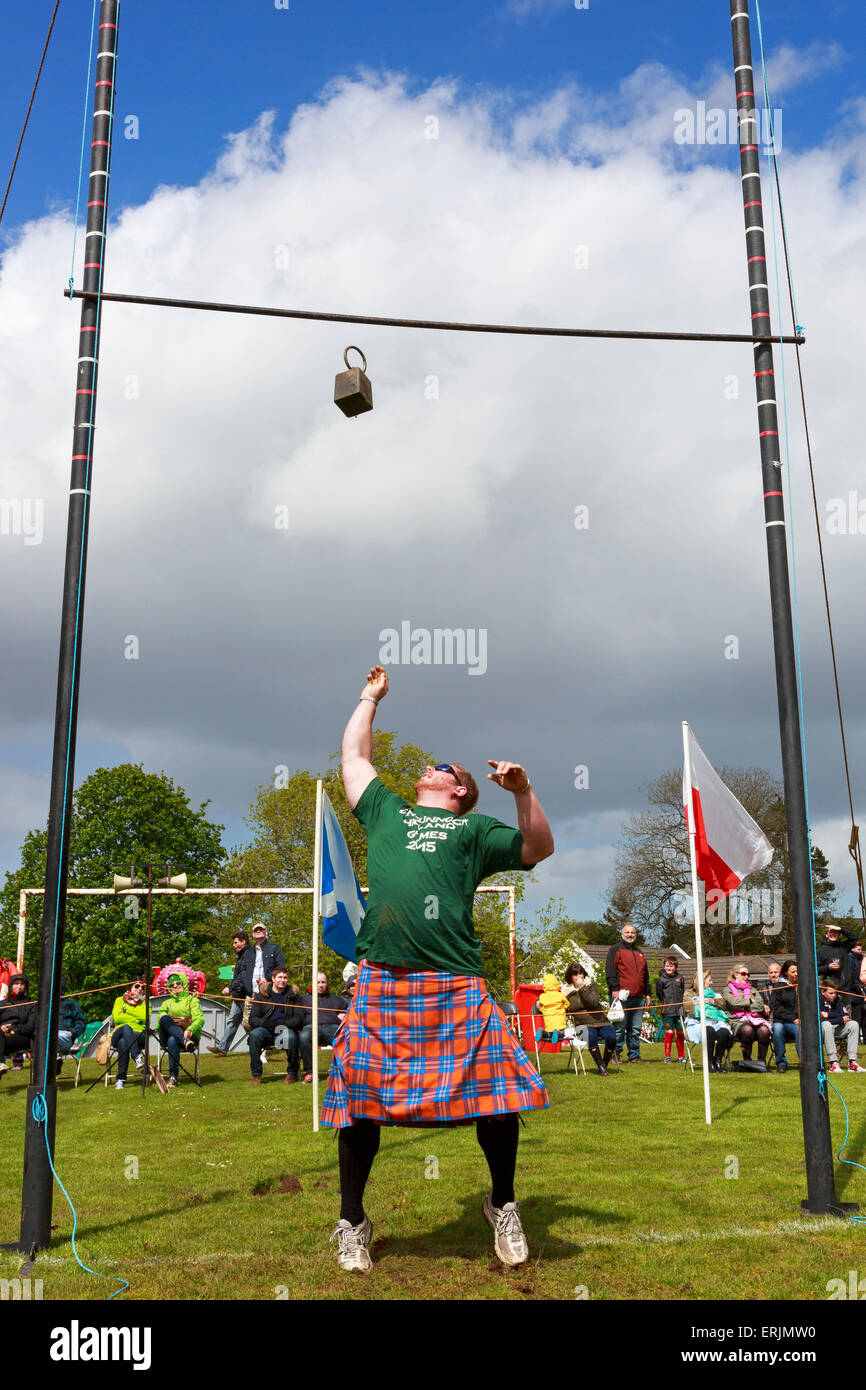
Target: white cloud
pixel 455 509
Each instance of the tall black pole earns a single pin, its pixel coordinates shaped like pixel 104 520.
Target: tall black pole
pixel 38 1182
pixel 821 1191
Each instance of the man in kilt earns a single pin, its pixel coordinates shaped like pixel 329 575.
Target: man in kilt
pixel 423 1043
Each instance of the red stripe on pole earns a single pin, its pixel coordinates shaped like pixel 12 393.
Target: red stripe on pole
pixel 96 204
pixel 744 94
pixel 772 494
pixel 104 83
pixel 752 205
pixel 761 315
pixel 88 328
pixel 91 265
pixel 108 26
pixel 769 372
pixel 84 391
pixel 99 142
pixel 80 457
pixel 755 258
pixel 763 432
pixel 747 147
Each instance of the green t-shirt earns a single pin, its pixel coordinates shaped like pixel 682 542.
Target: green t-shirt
pixel 423 866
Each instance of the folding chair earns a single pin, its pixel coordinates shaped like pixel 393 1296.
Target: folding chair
pixel 77 1053
pixel 109 1025
pixel 578 1041
pixel 511 1017
pixel 568 1034
pixel 195 1074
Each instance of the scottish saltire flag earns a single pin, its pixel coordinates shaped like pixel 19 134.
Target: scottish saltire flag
pixel 343 905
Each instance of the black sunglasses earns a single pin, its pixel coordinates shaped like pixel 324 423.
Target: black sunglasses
pixel 446 767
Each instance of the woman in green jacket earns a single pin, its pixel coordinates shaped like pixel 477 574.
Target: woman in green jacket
pixel 719 1034
pixel 129 1014
pixel 180 1023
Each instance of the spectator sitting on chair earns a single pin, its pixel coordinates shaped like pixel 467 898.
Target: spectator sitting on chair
pixel 129 1013
pixel 719 1035
pixel 350 980
pixel 180 1023
pixel 17 1020
pixel 670 992
pixel 274 1007
pixel 628 981
pixel 748 1012
pixel 554 1007
pixel 238 991
pixel 71 1024
pixel 584 1011
pixel 837 1024
pixel 332 1011
pixel 784 1010
pixel 855 1001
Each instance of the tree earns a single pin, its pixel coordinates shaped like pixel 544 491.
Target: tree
pixel 281 851
pixel 651 882
pixel 121 816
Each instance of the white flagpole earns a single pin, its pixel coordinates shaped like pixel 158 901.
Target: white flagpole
pixel 317 911
pixel 690 822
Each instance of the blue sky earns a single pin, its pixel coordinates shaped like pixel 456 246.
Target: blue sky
pixel 192 72
pixel 557 137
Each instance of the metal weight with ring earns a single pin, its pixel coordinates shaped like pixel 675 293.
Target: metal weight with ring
pixel 353 390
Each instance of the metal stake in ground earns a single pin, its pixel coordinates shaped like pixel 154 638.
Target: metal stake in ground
pixel 38 1181
pixel 816 1120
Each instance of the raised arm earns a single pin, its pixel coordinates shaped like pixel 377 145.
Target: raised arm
pixel 357 750
pixel 531 820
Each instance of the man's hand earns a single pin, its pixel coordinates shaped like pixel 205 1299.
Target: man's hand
pixel 377 684
pixel 510 776
pixel 226 990
pixel 357 746
pixel 531 820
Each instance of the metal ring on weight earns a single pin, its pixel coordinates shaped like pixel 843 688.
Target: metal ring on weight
pixel 353 348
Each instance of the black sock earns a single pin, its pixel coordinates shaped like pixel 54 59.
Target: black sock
pixel 358 1145
pixel 498 1140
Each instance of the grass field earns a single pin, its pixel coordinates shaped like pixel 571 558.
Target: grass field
pixel 623 1193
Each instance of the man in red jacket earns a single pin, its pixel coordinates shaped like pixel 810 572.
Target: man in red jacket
pixel 628 981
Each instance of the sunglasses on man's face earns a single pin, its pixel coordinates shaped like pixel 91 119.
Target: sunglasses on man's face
pixel 446 767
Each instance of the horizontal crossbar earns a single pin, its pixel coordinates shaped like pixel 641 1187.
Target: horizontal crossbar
pixel 379 322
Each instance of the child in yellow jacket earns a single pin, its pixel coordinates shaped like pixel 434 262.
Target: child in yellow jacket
pixel 554 1009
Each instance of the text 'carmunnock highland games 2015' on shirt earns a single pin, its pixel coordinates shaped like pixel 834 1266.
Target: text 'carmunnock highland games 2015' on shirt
pixel 424 864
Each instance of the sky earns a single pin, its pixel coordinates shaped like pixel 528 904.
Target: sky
pixel 585 516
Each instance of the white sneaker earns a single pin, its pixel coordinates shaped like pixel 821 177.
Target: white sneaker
pixel 509 1242
pixel 139 1062
pixel 119 1085
pixel 352 1242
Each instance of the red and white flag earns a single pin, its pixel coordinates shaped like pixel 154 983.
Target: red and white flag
pixel 729 845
